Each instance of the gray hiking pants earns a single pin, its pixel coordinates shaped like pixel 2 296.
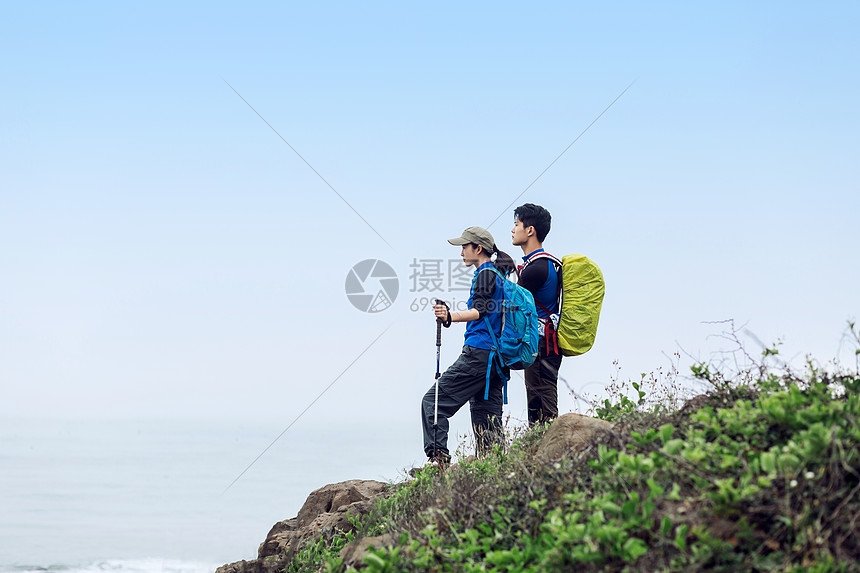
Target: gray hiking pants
pixel 464 381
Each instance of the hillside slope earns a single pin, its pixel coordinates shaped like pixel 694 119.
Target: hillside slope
pixel 758 474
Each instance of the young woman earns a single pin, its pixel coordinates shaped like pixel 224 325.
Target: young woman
pixel 471 378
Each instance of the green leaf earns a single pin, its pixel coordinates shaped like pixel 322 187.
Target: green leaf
pixel 768 462
pixel 375 561
pixel 672 447
pixel 628 510
pixel 648 507
pixel 610 507
pixel 665 526
pixel 634 548
pixel 789 463
pixel 666 431
pixel 681 536
pixel 655 489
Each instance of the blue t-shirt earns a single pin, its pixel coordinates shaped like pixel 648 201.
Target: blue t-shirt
pixel 486 297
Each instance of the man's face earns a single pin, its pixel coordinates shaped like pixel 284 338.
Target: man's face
pixel 520 234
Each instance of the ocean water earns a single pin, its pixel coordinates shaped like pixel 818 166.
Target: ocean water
pixel 143 496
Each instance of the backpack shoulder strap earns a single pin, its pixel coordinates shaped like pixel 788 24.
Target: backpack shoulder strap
pixel 498 274
pixel 494 269
pixel 486 318
pixel 555 260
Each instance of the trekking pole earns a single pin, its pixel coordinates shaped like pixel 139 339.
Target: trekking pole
pixel 436 400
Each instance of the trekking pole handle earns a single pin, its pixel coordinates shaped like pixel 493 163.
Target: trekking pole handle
pixel 445 323
pixel 439 326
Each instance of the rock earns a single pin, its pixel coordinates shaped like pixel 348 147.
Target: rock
pixel 237 567
pixel 326 512
pixel 334 496
pixel 280 539
pixel 353 554
pixel 570 433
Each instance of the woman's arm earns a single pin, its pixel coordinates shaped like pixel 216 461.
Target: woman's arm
pixel 485 287
pixel 441 311
pixel 465 315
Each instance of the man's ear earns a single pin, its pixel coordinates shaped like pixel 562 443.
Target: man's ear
pixel 530 230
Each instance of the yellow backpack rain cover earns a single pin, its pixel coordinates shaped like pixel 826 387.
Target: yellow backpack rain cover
pixel 582 298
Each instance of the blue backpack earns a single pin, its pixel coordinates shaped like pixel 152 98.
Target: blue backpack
pixel 517 347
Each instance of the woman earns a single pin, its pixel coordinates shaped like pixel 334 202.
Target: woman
pixel 471 378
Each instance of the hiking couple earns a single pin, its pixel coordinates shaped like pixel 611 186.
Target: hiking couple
pixel 473 378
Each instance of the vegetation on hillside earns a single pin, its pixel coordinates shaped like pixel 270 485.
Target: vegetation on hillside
pixel 759 473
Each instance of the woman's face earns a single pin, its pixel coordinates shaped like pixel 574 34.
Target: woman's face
pixel 470 255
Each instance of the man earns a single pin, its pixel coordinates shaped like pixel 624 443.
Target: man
pixel 539 274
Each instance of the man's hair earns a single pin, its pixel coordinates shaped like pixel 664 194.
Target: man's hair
pixel 534 216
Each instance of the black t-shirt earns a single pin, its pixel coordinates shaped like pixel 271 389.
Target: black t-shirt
pixel 482 295
pixel 534 275
pixel 536 278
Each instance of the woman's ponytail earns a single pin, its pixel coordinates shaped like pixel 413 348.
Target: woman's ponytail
pixel 503 261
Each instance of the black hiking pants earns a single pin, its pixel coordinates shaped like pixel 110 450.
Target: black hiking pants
pixel 542 386
pixel 464 381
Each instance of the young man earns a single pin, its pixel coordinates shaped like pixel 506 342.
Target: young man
pixel 471 378
pixel 539 274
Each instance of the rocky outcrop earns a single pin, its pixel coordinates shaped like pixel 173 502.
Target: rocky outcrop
pixel 325 512
pixel 570 433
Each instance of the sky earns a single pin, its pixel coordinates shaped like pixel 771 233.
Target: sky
pixel 184 189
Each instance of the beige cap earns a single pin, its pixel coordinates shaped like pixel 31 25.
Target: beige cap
pixel 478 236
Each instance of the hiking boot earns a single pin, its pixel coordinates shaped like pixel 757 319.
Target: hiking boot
pixel 441 462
